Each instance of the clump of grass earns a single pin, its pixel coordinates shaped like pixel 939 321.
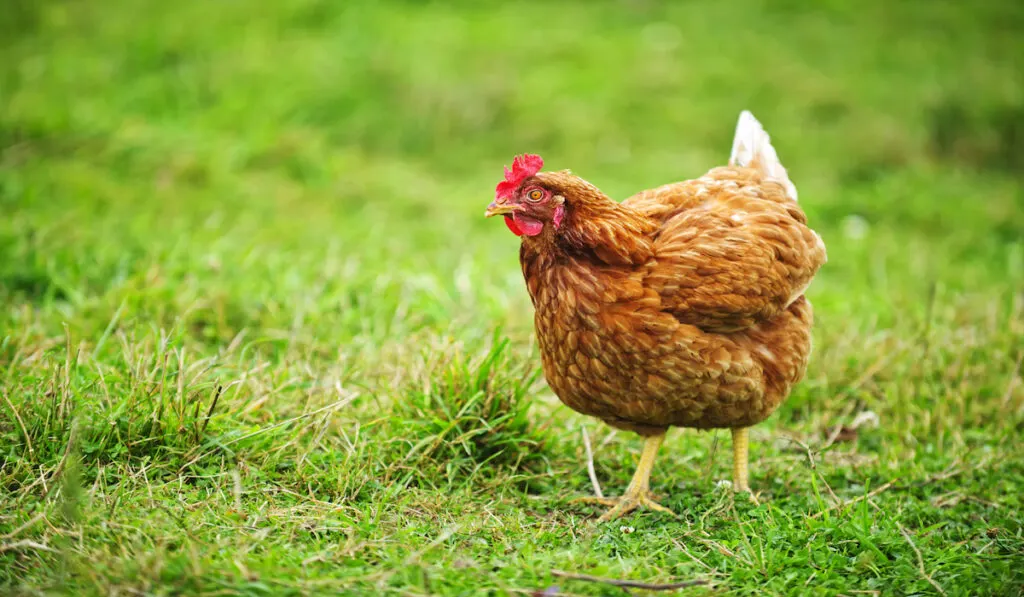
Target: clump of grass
pixel 468 413
pixel 150 402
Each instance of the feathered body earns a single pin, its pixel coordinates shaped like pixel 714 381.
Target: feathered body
pixel 681 306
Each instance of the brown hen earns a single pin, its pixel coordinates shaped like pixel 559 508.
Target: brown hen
pixel 681 306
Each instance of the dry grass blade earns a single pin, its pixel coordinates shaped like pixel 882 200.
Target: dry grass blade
pixel 590 463
pixel 920 560
pixel 21 423
pixel 25 543
pixel 25 525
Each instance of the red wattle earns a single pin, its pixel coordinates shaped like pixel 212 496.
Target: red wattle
pixel 513 226
pixel 527 225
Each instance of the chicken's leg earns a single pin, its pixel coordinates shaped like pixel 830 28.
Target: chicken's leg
pixel 639 491
pixel 739 459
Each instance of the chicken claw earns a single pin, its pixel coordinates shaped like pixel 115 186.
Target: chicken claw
pixel 639 491
pixel 621 506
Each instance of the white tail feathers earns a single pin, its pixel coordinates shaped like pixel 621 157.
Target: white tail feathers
pixel 752 148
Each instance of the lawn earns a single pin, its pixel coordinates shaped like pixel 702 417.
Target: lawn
pixel 256 337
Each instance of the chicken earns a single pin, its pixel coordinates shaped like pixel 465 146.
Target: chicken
pixel 682 306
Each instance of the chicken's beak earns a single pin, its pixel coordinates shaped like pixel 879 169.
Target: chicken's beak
pixel 500 209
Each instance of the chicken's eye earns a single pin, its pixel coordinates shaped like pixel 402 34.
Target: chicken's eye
pixel 535 195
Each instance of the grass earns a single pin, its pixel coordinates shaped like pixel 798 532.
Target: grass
pixel 256 338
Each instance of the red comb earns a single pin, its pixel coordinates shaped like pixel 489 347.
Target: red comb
pixel 523 167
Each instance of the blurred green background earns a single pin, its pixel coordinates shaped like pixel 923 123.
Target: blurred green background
pixel 257 338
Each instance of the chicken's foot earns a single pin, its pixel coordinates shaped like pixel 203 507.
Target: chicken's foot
pixel 621 506
pixel 740 471
pixel 639 491
pixel 740 447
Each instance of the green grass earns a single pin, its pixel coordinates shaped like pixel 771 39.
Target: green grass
pixel 256 337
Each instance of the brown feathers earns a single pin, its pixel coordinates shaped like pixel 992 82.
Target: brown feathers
pixel 681 306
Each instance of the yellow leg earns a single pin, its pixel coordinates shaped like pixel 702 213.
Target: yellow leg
pixel 639 491
pixel 740 446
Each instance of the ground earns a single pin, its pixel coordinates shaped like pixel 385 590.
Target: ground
pixel 257 338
